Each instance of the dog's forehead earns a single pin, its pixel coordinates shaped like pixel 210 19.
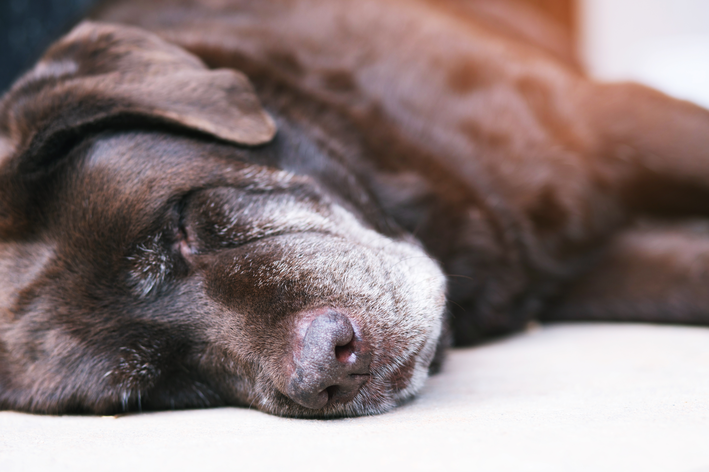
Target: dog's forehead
pixel 164 164
pixel 133 157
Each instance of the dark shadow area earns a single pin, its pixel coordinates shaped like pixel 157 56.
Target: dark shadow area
pixel 27 27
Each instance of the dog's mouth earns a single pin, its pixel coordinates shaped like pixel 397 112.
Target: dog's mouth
pixel 333 361
pixel 373 392
pixel 337 369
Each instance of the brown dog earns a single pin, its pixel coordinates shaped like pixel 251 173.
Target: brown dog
pixel 174 238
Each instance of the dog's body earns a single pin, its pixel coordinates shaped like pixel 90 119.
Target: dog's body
pixel 162 248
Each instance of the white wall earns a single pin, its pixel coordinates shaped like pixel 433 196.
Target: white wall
pixel 663 43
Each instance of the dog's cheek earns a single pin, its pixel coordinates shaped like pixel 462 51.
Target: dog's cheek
pixel 50 371
pixel 198 355
pixel 151 267
pixel 64 355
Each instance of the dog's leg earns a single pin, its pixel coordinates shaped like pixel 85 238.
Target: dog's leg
pixel 654 272
pixel 654 153
pixel 653 148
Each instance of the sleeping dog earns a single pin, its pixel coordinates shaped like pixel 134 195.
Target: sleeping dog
pixel 297 205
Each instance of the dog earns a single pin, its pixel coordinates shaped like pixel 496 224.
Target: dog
pixel 298 205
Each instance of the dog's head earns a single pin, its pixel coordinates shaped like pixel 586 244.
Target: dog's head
pixel 149 256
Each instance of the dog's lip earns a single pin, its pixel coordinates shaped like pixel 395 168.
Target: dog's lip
pixel 397 380
pixel 401 377
pixel 379 379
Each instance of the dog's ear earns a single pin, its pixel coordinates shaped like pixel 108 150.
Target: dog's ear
pixel 103 75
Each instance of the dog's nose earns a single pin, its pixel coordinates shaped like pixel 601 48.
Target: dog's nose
pixel 332 363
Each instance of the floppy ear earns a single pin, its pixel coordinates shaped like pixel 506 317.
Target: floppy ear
pixel 103 75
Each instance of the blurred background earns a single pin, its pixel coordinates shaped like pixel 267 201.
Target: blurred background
pixel 662 43
pixel 27 27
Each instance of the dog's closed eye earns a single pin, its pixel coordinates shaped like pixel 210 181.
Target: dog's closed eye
pixel 228 217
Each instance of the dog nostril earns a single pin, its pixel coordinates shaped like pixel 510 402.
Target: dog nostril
pixel 332 391
pixel 345 353
pixel 331 363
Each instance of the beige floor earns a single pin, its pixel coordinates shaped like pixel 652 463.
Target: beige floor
pixel 561 398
